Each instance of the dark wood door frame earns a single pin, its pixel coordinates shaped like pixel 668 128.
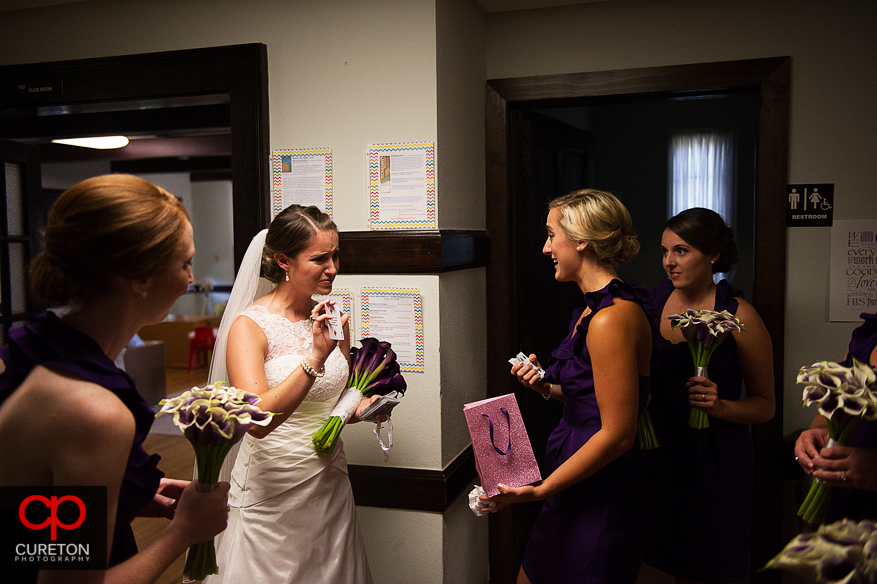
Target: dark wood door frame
pixel 240 71
pixel 508 173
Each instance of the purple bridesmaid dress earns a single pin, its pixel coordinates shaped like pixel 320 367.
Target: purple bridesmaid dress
pixel 700 481
pixel 47 341
pixel 592 531
pixel 858 504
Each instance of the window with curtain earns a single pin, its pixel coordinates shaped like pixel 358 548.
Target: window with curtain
pixel 702 173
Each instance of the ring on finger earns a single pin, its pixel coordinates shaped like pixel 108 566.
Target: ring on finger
pixel 843 475
pixel 311 318
pixel 703 397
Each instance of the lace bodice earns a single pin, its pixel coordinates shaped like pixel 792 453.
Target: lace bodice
pixel 288 343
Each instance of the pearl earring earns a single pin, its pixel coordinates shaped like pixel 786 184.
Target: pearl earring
pixel 712 261
pixel 579 248
pixel 287 276
pixel 143 293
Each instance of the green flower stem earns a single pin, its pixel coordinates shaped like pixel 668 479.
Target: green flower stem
pixel 698 419
pixel 327 436
pixel 648 440
pixel 694 352
pixel 815 505
pixel 201 559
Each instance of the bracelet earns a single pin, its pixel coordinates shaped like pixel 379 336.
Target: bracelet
pixel 547 396
pixel 306 367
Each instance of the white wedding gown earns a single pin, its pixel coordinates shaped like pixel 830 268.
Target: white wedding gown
pixel 292 517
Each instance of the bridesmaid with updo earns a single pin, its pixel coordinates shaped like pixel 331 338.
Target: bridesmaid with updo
pixel 701 480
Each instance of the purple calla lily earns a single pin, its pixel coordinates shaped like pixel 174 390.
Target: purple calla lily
pixel 212 419
pixel 374 370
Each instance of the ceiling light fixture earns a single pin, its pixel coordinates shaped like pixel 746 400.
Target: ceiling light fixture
pixel 101 143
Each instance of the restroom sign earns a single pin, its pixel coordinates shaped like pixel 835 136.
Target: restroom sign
pixel 810 205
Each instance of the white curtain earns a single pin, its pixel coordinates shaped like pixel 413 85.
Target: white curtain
pixel 702 173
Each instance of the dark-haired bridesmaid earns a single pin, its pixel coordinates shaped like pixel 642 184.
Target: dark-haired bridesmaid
pixel 701 480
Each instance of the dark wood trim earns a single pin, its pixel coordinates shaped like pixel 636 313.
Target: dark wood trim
pixel 207 176
pixel 671 81
pixel 411 488
pixel 769 298
pixel 194 164
pixel 239 71
pixel 507 98
pixel 412 252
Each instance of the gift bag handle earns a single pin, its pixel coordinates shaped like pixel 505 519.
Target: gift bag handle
pixel 509 422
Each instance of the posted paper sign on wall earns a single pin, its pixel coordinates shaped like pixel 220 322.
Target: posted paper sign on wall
pixel 853 269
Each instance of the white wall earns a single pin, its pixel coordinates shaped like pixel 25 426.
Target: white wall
pixel 211 215
pixel 62 176
pixel 417 422
pixel 833 50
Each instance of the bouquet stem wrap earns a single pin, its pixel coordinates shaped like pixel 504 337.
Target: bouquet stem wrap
pixel 327 436
pixel 698 419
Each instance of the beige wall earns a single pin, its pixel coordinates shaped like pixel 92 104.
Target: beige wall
pixel 833 124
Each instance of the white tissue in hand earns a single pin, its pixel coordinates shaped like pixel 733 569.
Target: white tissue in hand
pixel 521 358
pixel 476 503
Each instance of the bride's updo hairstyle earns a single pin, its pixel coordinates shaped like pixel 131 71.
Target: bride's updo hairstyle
pixel 601 220
pixel 290 233
pixel 707 232
pixel 106 227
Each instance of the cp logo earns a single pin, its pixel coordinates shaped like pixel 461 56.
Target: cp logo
pixel 52 504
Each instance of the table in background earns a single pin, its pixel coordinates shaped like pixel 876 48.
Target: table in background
pixel 174 331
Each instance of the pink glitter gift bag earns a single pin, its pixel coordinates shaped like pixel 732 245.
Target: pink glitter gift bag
pixel 503 453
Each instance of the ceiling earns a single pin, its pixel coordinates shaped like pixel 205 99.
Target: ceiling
pixel 181 133
pixel 491 6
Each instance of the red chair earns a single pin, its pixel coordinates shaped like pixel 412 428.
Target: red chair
pixel 200 339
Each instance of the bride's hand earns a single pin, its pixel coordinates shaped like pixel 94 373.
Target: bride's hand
pixel 364 403
pixel 323 344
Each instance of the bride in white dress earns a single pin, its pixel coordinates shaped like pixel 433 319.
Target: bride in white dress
pixel 292 517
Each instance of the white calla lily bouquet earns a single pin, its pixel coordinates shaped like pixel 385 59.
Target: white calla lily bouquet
pixel 846 398
pixel 213 419
pixel 844 552
pixel 704 331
